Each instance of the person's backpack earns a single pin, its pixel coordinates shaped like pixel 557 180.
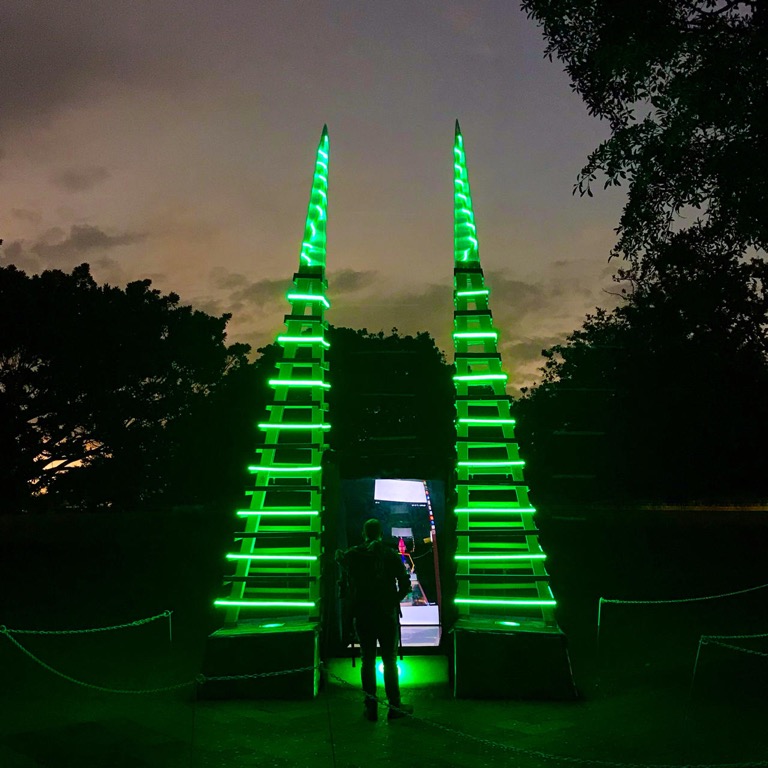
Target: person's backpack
pixel 367 579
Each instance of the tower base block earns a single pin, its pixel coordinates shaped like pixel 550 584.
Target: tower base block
pixel 263 646
pixel 494 659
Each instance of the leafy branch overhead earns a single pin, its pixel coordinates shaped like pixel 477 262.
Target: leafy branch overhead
pixel 684 87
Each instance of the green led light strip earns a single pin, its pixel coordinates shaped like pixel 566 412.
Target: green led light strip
pixel 465 244
pixel 303 340
pixel 270 468
pixel 481 377
pixel 467 294
pixel 277 512
pixel 324 427
pixel 494 510
pixel 476 335
pixel 265 603
pixel 488 601
pixel 286 558
pixel 478 464
pixel 309 297
pixel 298 383
pixel 313 245
pixel 527 556
pixel 488 422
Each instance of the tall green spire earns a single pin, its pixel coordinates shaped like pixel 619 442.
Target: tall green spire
pixel 276 558
pixel 500 563
pixel 465 246
pixel 313 245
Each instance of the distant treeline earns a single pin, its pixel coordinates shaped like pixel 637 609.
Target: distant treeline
pixel 122 398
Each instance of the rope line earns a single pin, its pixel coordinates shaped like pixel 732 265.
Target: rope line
pixel 102 688
pixel 736 648
pixel 197 680
pixel 550 756
pixel 734 637
pixel 683 599
pixel 200 679
pixel 137 623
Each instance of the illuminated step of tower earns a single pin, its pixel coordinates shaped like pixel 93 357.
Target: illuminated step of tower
pixel 500 565
pixel 275 562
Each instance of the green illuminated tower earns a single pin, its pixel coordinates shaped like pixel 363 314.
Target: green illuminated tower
pixel 275 582
pixel 502 583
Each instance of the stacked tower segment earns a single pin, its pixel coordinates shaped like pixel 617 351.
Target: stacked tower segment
pixel 503 598
pixel 275 580
pixel 499 561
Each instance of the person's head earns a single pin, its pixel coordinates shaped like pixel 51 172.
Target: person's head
pixel 372 529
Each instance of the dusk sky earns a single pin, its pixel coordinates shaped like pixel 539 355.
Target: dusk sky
pixel 175 140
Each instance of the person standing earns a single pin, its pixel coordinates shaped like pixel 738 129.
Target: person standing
pixel 376 582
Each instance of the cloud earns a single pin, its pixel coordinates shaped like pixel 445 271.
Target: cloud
pixel 57 249
pixel 14 253
pixel 384 308
pixel 234 292
pixel 82 239
pixel 23 214
pixel 260 293
pixel 57 55
pixel 80 179
pixel 350 280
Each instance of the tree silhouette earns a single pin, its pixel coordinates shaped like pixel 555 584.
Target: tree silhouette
pixel 684 86
pixel 95 382
pixel 663 398
pixel 391 404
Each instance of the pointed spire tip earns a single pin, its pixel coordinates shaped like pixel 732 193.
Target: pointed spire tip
pixel 325 130
pixel 458 128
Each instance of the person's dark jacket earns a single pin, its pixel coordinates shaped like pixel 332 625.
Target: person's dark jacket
pixel 374 578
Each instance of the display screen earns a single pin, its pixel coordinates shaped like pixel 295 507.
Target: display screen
pixel 406 491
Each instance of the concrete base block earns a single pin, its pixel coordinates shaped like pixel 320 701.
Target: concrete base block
pixel 258 647
pixel 495 660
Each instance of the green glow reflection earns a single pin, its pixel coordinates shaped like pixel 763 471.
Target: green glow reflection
pixel 526 556
pixel 277 512
pixel 478 464
pixel 488 601
pixel 270 468
pixel 298 383
pixel 267 425
pixel 309 297
pixel 303 340
pixel 495 510
pixel 264 603
pixel 287 558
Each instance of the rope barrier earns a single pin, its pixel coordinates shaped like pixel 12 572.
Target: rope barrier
pixel 735 637
pixel 548 755
pixel 84 684
pixel 137 623
pixel 715 640
pixel 201 679
pixel 198 679
pixel 739 648
pixel 606 600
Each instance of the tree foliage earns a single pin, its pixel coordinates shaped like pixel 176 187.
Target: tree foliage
pixel 391 404
pixel 101 388
pixel 684 86
pixel 664 397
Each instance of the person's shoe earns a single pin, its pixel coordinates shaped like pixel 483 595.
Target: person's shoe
pixel 401 710
pixel 371 711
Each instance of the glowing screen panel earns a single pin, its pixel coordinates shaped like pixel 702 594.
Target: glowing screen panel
pixel 406 491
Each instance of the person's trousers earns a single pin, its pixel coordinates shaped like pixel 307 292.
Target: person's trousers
pixel 373 627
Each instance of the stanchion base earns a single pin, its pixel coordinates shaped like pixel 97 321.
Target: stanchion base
pixel 261 647
pixel 497 660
